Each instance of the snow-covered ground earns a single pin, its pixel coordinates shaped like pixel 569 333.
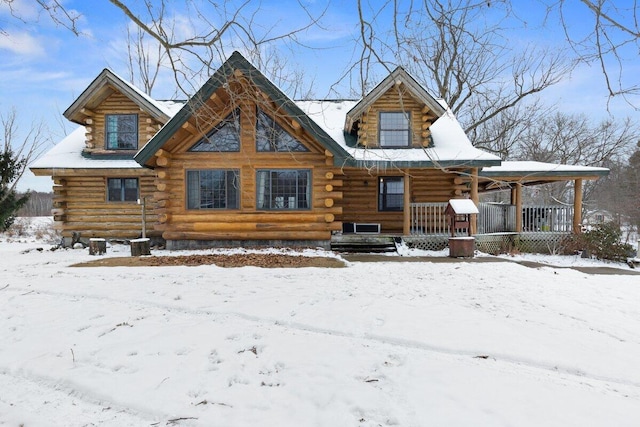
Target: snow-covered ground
pixel 372 344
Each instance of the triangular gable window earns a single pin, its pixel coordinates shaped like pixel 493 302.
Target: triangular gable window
pixel 270 136
pixel 223 137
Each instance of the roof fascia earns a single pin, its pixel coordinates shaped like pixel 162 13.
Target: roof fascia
pixel 388 164
pixel 107 77
pixel 537 175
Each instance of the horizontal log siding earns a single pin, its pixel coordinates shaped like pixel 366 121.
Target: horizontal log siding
pixel 360 200
pixel 80 206
pixel 118 104
pixel 395 100
pixel 178 223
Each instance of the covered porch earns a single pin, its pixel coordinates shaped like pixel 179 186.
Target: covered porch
pixel 497 227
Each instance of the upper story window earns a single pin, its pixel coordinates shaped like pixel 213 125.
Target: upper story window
pixel 395 129
pixel 122 189
pixel 122 131
pixel 270 136
pixel 223 137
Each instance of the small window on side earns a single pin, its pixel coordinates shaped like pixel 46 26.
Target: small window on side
pixel 122 189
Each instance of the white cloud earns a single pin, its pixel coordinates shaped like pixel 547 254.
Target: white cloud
pixel 22 43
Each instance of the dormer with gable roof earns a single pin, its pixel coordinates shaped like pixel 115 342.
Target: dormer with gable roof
pixel 119 118
pixel 397 113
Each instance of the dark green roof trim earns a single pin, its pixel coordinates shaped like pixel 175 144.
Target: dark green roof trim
pixel 414 164
pixel 220 77
pixel 107 156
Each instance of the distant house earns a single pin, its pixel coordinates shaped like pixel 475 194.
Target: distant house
pixel 241 163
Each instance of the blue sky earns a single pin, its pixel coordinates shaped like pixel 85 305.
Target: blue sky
pixel 44 67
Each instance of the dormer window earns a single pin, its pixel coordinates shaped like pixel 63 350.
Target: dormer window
pixel 395 129
pixel 121 132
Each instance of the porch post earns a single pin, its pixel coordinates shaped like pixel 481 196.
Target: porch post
pixel 406 226
pixel 518 203
pixel 577 205
pixel 476 200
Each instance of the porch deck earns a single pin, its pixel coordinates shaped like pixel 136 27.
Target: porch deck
pixel 544 229
pixel 491 243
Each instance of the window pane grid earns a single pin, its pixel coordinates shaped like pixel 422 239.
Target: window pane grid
pixel 391 194
pixel 212 189
pixel 395 129
pixel 122 189
pixel 270 136
pixel 225 137
pixel 283 189
pixel 122 131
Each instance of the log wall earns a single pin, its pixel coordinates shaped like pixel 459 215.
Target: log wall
pixel 360 194
pixel 116 103
pixel 80 205
pixel 396 99
pixel 176 222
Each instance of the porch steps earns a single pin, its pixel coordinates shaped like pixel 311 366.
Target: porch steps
pixel 358 243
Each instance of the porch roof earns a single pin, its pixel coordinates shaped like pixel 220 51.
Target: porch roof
pixel 534 173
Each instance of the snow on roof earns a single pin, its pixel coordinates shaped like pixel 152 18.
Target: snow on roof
pixel 450 143
pixel 68 154
pixel 533 168
pixel 170 108
pixel 463 206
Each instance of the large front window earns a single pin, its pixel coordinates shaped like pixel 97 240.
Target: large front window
pixel 283 189
pixel 213 189
pixel 395 129
pixel 122 131
pixel 122 189
pixel 223 137
pixel 270 136
pixel 391 193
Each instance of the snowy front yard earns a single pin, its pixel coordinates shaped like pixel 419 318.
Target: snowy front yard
pixel 372 344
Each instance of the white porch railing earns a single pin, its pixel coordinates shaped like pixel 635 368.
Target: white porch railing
pixel 496 218
pixel 547 218
pixel 429 219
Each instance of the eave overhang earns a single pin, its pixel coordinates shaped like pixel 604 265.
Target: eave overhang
pixel 103 86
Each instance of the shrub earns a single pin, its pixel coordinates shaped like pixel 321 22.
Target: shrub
pixel 602 242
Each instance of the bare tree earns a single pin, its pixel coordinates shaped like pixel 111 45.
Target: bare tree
pixel 461 51
pixel 144 59
pixel 15 154
pixel 574 139
pixel 24 146
pixel 611 40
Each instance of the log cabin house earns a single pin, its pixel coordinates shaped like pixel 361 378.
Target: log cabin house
pixel 240 163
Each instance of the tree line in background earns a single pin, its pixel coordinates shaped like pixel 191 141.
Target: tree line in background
pixel 461 50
